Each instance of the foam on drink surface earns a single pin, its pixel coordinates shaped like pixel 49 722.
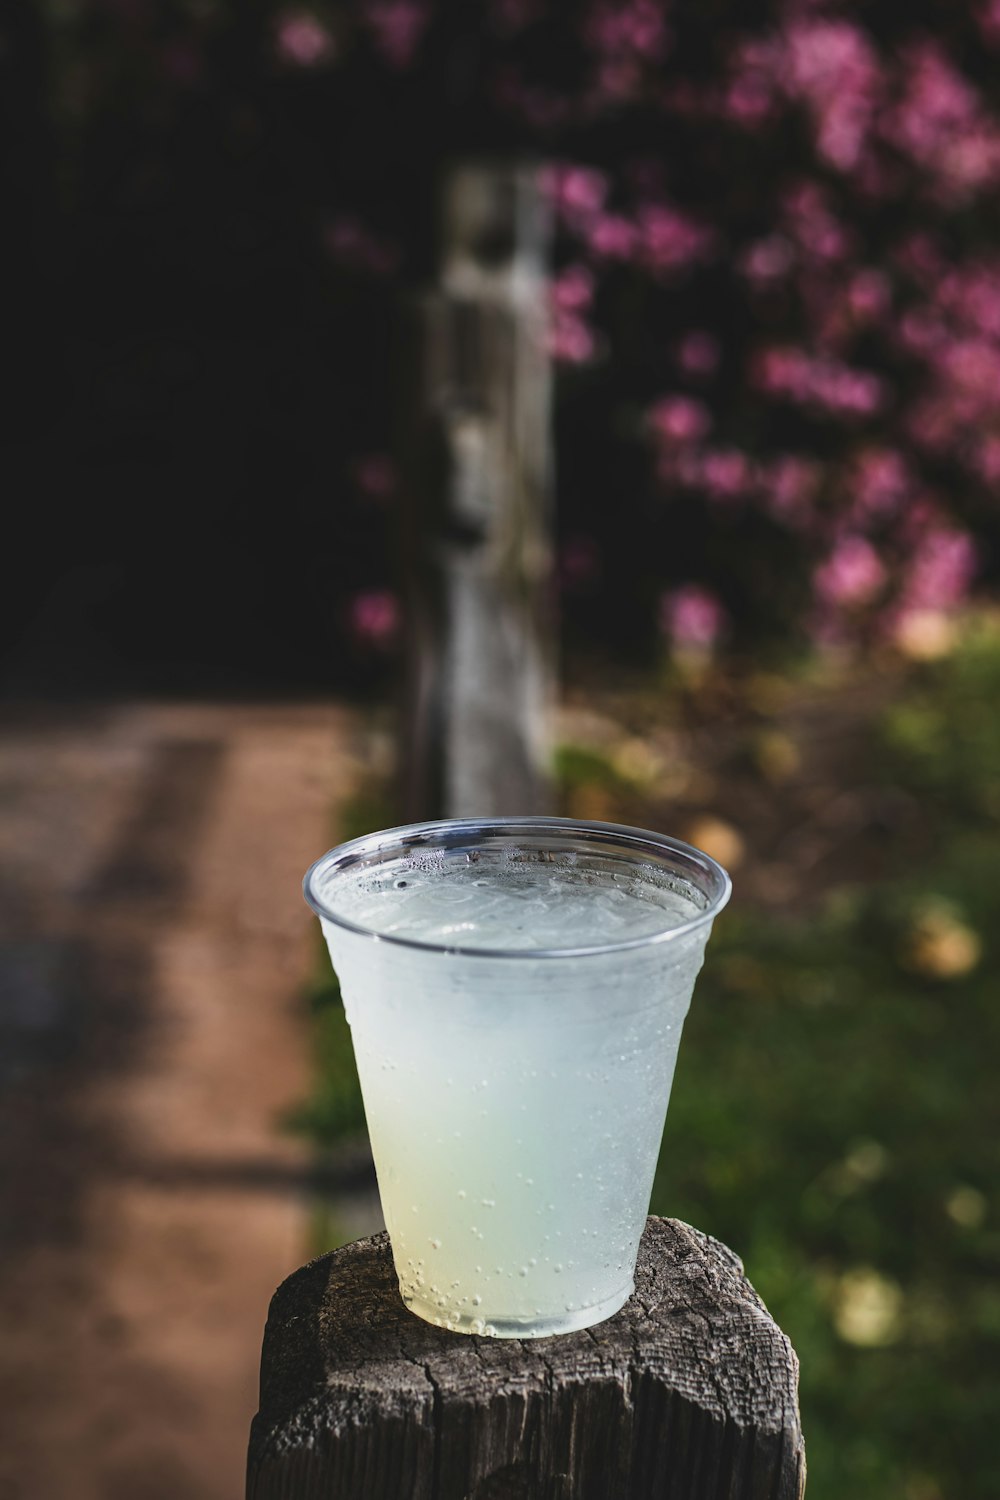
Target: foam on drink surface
pixel 514 903
pixel 514 1104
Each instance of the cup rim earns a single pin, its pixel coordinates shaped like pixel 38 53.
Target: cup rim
pixel 445 832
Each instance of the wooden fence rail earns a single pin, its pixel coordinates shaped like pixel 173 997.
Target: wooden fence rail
pixel 688 1393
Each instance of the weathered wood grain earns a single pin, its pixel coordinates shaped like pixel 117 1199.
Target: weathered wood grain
pixel 688 1393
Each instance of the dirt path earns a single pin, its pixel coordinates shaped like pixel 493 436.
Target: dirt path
pixel 153 940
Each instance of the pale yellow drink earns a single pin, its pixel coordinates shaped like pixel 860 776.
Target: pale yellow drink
pixel 516 1025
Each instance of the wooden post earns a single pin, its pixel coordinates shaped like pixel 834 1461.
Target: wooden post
pixel 476 529
pixel 688 1393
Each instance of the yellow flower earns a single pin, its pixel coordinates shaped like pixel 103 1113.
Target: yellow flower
pixel 719 839
pixel 867 1308
pixel 940 945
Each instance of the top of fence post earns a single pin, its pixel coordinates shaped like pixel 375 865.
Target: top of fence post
pixel 688 1393
pixel 475 523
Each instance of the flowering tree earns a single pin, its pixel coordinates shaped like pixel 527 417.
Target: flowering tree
pixel 814 246
pixel 777 298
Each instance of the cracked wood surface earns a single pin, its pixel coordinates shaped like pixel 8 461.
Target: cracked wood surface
pixel 688 1393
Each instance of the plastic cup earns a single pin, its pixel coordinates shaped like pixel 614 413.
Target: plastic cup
pixel 515 1037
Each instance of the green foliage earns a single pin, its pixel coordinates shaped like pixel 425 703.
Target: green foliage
pixel 835 1118
pixel 944 737
pixel 576 766
pixel 333 1108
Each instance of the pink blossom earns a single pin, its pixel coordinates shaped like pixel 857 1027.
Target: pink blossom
pixel 869 294
pixel 748 100
pixel 376 475
pixel 784 372
pixel 612 237
pixel 922 257
pixel 832 67
pixel 570 341
pixel 988 19
pixel 987 459
pixel 880 483
pixel 573 288
pixel 680 419
pixel 973 366
pixel 790 487
pixel 877 176
pixel 853 392
pixel 579 193
pixel 670 239
pixel 813 224
pixel 828 56
pixel 374 617
pixel 302 39
pixel 768 259
pixel 931 424
pixel 692 616
pixel 922 332
pixel 397 27
pixel 680 466
pixel 851 575
pixel 617 79
pixel 699 353
pixel 941 569
pixel 628 27
pixel 755 67
pixel 971 161
pixel 940 122
pixel 726 473
pixel 820 382
pixel 938 99
pixel 971 294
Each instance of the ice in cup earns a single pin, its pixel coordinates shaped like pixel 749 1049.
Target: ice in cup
pixel 516 990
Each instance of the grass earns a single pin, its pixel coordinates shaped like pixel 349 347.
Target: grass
pixel 836 1117
pixel 333 1109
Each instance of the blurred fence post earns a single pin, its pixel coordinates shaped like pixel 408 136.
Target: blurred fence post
pixel 477 482
pixel 689 1392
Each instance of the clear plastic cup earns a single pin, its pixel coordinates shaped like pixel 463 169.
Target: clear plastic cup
pixel 516 990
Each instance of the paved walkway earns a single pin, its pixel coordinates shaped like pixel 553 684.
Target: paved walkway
pixel 152 941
